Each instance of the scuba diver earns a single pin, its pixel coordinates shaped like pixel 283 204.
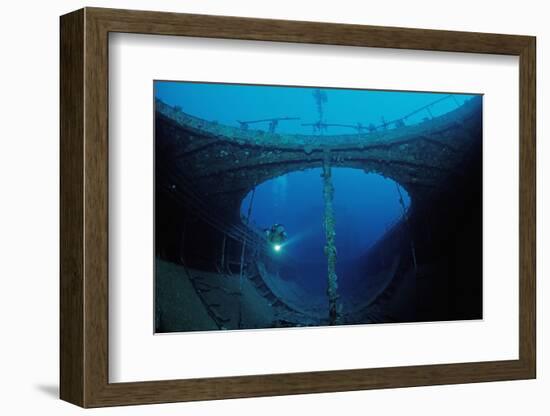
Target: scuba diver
pixel 276 235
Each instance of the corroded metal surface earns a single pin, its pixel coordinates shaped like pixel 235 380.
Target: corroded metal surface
pixel 224 163
pixel 330 245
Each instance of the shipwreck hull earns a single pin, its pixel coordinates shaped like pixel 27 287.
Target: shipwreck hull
pixel 427 267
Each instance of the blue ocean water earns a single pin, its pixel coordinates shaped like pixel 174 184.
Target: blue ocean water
pixel 228 103
pixel 366 204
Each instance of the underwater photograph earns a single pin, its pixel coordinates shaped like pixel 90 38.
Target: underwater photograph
pixel 289 206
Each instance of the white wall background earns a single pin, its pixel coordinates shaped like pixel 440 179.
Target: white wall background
pixel 29 207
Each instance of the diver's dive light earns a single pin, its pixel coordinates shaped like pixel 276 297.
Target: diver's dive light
pixel 277 247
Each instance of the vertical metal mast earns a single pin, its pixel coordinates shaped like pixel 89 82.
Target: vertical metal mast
pixel 320 98
pixel 330 246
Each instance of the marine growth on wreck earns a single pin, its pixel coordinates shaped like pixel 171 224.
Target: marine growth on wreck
pixel 282 207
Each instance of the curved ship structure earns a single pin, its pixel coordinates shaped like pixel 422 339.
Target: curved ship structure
pixel 216 271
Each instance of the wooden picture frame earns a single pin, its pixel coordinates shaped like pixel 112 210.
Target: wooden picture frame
pixel 84 207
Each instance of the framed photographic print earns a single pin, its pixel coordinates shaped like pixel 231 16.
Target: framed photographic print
pixel 255 207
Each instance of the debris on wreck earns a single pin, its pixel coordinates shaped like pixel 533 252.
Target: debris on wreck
pixel 273 122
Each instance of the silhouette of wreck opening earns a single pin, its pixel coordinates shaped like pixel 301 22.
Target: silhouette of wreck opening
pixel 366 205
pixel 214 271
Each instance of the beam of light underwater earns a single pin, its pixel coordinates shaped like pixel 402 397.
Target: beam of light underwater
pixel 295 239
pixel 278 248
